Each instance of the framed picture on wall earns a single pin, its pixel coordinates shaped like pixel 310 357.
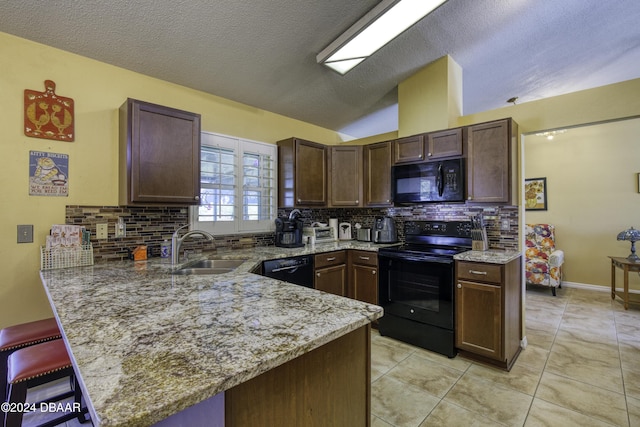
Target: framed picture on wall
pixel 535 194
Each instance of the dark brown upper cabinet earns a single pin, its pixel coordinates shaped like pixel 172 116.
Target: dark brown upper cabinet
pixel 492 162
pixel 345 176
pixel 378 159
pixel 408 150
pixel 302 173
pixel 445 143
pixel 159 155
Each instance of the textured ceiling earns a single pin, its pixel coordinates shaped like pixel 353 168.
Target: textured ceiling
pixel 262 53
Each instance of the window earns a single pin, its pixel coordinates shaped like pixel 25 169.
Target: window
pixel 237 185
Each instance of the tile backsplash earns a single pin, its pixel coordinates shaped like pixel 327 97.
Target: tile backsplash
pixel 494 216
pixel 151 225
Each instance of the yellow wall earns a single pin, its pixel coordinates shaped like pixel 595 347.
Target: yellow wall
pixel 588 106
pixel 592 194
pixel 98 90
pixel 431 99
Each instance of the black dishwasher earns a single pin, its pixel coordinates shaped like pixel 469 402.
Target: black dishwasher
pixel 298 270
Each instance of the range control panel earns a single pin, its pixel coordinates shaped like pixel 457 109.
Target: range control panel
pixel 438 228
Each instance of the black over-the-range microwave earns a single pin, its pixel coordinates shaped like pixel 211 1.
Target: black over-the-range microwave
pixel 435 181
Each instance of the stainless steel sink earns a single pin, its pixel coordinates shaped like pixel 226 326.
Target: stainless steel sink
pixel 210 266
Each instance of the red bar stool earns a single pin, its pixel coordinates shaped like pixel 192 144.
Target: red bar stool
pixel 35 365
pixel 15 337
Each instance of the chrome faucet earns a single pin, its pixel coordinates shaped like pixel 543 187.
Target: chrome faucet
pixel 176 241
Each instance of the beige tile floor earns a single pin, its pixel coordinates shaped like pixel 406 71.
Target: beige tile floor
pixel 581 368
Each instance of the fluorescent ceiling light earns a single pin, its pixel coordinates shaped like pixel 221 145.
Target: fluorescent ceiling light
pixel 375 29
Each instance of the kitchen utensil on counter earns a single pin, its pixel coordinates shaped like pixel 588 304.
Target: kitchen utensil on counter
pixel 479 238
pixel 320 234
pixel 289 233
pixel 364 234
pixel 333 223
pixel 384 230
pixel 345 231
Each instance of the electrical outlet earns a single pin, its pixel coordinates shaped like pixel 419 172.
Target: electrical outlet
pixel 506 225
pixel 102 231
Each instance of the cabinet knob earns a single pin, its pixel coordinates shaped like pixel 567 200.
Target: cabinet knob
pixel 428 154
pixel 388 201
pixel 299 200
pixel 420 155
pixel 196 198
pixel 357 202
pixel 469 198
pixel 373 272
pixel 459 286
pixel 318 274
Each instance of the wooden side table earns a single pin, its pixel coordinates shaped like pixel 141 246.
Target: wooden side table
pixel 626 266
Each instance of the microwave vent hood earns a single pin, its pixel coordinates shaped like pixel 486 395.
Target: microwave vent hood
pixel 429 182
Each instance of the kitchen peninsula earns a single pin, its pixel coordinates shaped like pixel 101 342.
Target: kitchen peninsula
pixel 149 345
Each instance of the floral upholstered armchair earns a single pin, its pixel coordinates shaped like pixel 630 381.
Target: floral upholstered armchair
pixel 543 262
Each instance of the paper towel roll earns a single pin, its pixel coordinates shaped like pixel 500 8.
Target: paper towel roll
pixel 333 223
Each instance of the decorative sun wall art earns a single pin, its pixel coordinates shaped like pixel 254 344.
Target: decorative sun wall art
pixel 47 115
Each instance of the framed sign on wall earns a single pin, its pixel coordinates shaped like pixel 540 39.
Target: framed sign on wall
pixel 535 194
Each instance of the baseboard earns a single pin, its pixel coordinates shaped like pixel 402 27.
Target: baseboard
pixel 586 286
pixel 596 288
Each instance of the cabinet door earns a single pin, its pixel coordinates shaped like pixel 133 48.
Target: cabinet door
pixel 332 279
pixel 160 154
pixel 446 143
pixel 478 319
pixel 489 176
pixel 377 174
pixel 310 174
pixel 345 176
pixel 364 283
pixel 409 149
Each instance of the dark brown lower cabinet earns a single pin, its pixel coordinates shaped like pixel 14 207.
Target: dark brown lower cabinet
pixel 331 273
pixel 363 276
pixel 489 311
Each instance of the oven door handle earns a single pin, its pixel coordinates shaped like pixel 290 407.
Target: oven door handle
pixel 404 257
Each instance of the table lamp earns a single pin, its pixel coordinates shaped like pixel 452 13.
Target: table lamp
pixel 633 236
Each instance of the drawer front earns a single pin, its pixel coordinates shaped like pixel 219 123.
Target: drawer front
pixel 364 258
pixel 330 258
pixel 479 271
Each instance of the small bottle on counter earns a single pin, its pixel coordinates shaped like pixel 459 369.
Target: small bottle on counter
pixel 165 249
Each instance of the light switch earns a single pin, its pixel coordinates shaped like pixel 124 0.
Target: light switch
pixel 25 234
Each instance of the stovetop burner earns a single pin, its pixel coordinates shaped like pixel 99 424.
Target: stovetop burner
pixel 434 239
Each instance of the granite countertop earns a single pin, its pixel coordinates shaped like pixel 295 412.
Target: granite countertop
pixel 149 344
pixel 490 256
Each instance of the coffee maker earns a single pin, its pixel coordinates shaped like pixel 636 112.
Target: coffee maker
pixel 289 233
pixel 384 230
